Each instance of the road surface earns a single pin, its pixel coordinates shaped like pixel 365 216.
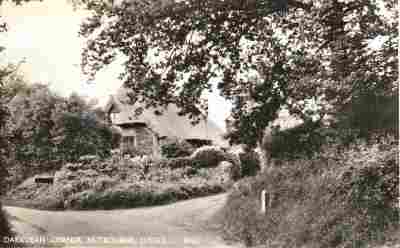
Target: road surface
pixel 184 224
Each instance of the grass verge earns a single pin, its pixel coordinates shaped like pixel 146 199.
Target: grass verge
pixel 348 200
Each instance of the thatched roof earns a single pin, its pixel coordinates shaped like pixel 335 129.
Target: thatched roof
pixel 169 124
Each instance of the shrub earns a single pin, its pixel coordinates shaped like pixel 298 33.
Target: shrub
pixel 209 156
pixel 138 195
pixel 175 163
pixel 121 183
pixel 121 199
pixel 349 201
pixel 49 202
pixel 5 228
pixel 250 163
pixel 176 149
pixel 103 183
pixel 369 113
pixel 235 172
pixel 303 140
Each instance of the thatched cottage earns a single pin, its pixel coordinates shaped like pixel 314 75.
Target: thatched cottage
pixel 145 133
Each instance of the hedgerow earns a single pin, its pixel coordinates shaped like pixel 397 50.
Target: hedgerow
pixel 94 183
pixel 336 199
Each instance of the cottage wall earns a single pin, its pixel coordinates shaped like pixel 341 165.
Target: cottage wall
pixel 142 141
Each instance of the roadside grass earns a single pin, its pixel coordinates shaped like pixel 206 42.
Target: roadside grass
pixel 347 199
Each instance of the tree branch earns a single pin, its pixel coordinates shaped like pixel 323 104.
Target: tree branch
pixel 155 10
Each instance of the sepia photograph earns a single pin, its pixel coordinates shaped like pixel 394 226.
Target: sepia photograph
pixel 199 124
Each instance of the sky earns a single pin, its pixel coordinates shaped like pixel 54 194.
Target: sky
pixel 45 35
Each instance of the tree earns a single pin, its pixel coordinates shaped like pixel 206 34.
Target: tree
pixel 3 25
pixel 312 58
pixel 5 96
pixel 3 119
pixel 45 130
pixel 10 83
pixel 30 124
pixel 83 134
pixel 17 2
pixel 5 228
pixel 371 114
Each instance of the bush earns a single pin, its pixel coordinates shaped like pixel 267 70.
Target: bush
pixel 139 195
pixel 176 149
pixel 346 200
pixel 65 129
pixel 209 156
pixel 250 163
pixel 193 162
pixel 49 202
pixel 123 183
pixel 365 116
pixel 301 141
pixel 370 112
pixel 121 199
pixel 103 183
pixel 5 228
pixel 175 163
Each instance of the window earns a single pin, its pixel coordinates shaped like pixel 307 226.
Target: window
pixel 129 141
pixel 128 144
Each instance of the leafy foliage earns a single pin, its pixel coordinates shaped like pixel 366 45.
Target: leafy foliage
pixel 17 2
pixel 346 198
pixel 176 148
pixel 5 228
pixel 210 156
pixel 114 183
pixel 83 134
pixel 262 61
pixel 301 141
pixel 11 82
pixel 370 114
pixel 367 116
pixel 3 118
pixel 250 163
pixel 44 130
pixel 5 72
pixel 142 196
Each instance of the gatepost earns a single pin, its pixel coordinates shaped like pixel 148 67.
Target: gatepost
pixel 266 201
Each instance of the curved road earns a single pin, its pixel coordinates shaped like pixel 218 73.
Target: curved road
pixel 184 224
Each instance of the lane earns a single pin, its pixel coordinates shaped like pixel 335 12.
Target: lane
pixel 184 224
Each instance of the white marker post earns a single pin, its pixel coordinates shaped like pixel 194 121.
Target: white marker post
pixel 263 201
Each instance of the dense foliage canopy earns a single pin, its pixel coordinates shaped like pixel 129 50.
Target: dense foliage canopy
pixel 40 130
pixel 44 130
pixel 3 118
pixel 312 57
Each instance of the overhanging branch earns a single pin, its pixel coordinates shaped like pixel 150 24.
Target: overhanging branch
pixel 156 10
